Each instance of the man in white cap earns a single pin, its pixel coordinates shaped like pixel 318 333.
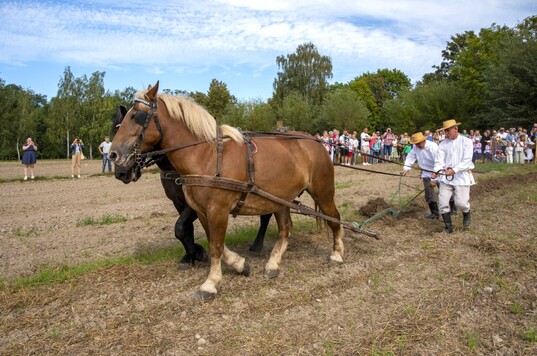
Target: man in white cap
pixel 454 164
pixel 425 152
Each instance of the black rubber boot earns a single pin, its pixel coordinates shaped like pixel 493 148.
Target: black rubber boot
pixel 447 223
pixel 452 208
pixel 466 219
pixel 434 211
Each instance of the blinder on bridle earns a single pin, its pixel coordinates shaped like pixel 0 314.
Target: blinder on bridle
pixel 143 118
pixel 140 117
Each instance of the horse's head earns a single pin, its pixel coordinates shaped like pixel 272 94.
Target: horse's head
pixel 121 173
pixel 120 114
pixel 137 132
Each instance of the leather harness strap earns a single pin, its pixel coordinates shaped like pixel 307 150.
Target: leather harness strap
pixel 238 186
pixel 169 175
pixel 250 147
pixel 219 151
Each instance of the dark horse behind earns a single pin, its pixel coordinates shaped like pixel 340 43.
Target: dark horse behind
pixel 184 227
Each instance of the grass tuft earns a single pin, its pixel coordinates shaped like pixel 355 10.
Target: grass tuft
pixel 104 220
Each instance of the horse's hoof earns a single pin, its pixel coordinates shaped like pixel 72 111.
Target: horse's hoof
pixel 335 261
pixel 203 258
pixel 204 296
pixel 255 248
pixel 184 266
pixel 200 254
pixel 273 273
pixel 246 270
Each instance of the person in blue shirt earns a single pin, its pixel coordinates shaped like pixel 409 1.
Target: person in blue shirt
pixel 28 157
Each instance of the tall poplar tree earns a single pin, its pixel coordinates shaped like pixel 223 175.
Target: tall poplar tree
pixel 305 72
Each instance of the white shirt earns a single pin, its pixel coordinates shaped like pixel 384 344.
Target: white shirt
pixel 105 146
pixel 353 144
pixel 457 155
pixel 363 137
pixel 425 157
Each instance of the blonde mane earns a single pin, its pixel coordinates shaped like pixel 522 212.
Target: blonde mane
pixel 198 121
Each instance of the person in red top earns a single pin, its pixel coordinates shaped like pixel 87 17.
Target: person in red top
pixel 388 138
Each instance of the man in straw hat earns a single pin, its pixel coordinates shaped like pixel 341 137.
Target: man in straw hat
pixel 424 151
pixel 453 165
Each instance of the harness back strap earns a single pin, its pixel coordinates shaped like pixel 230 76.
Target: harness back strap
pixel 235 185
pixel 219 150
pixel 251 171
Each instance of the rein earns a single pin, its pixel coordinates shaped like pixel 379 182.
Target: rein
pixel 439 172
pixel 370 171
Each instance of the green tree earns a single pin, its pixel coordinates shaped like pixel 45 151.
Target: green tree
pixel 199 97
pixel 64 118
pixel 260 116
pixel 20 117
pixel 95 116
pixel 305 72
pixel 252 115
pixel 218 98
pixel 427 105
pixel 468 57
pixel 235 115
pixel 395 81
pixel 511 81
pixel 126 96
pixel 384 85
pixel 362 88
pixel 296 113
pixel 343 109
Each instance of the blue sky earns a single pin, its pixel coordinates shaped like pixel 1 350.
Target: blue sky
pixel 185 44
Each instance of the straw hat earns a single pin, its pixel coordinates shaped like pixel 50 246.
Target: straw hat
pixel 449 123
pixel 417 138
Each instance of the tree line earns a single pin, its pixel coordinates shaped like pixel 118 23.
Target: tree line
pixel 486 79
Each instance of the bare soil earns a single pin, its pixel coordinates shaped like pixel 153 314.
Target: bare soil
pixel 414 291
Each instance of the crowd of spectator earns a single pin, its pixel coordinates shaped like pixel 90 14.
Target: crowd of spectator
pixel 511 146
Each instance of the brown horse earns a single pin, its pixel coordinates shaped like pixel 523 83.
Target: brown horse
pixel 190 135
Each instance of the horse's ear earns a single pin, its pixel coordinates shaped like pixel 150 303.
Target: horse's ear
pixel 152 92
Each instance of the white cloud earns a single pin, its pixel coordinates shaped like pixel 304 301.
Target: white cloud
pixel 191 36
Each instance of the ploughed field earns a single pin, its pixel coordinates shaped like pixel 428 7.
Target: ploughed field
pixel 81 274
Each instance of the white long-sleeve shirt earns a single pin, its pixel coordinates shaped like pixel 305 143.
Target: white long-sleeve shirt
pixel 425 157
pixel 457 155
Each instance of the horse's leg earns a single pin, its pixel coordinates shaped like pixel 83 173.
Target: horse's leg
pixel 338 249
pixel 184 232
pixel 234 260
pixel 260 238
pixel 216 223
pixel 326 203
pixel 283 218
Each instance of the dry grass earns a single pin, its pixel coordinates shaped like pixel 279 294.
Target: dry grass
pixel 416 291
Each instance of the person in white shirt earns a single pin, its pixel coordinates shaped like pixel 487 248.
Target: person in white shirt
pixel 424 151
pixel 104 149
pixel 364 144
pixel 354 144
pixel 453 165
